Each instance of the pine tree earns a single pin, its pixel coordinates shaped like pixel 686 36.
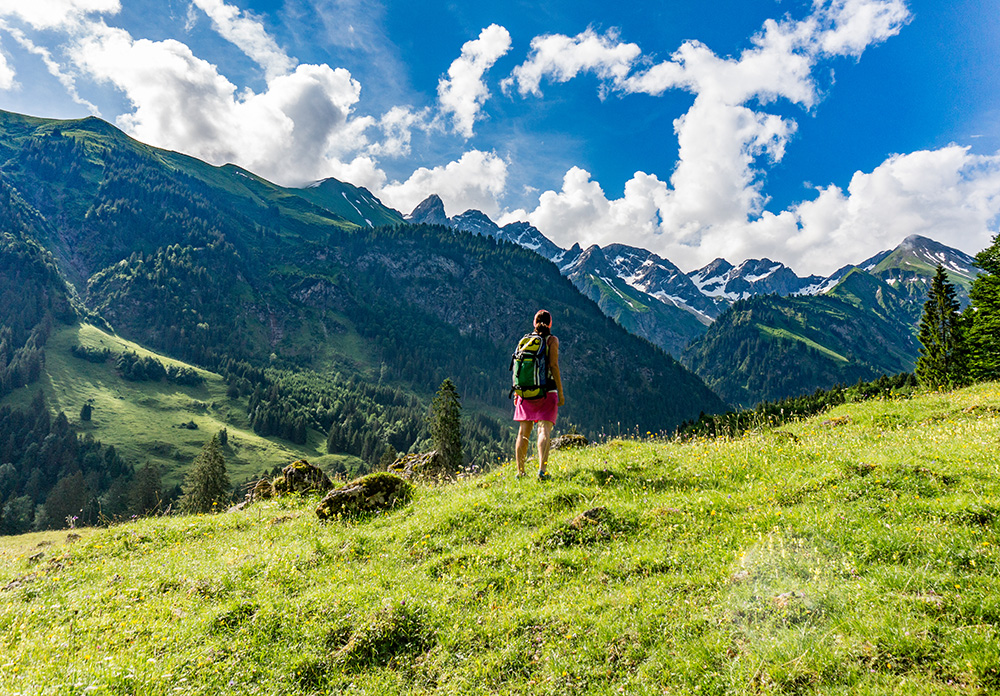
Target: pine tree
pixel 941 361
pixel 206 487
pixel 446 425
pixel 982 317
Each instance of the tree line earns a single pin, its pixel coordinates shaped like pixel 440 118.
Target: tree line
pixel 134 368
pixel 959 348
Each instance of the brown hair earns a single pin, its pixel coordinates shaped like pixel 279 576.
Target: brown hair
pixel 543 322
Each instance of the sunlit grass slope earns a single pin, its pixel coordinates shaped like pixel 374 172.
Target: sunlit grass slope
pixel 854 553
pixel 144 420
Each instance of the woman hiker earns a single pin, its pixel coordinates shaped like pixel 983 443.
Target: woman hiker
pixel 542 411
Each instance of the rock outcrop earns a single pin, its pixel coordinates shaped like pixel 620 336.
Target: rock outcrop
pixel 371 493
pixel 420 467
pixel 298 477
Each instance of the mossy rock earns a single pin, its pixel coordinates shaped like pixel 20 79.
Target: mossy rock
pixel 279 486
pixel 371 493
pixel 298 477
pixel 419 467
pixel 302 477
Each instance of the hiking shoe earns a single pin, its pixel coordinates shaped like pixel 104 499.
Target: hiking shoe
pixel 544 476
pixel 519 475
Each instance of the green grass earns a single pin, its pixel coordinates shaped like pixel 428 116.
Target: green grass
pixel 142 419
pixel 853 553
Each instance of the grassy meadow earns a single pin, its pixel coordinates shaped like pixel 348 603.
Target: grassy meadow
pixel 852 553
pixel 144 420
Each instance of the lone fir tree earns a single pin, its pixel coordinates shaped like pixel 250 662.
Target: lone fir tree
pixel 941 361
pixel 446 425
pixel 206 487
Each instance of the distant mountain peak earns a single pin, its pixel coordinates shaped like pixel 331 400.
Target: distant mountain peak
pixel 915 240
pixel 429 211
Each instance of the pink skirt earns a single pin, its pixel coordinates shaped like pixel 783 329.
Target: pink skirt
pixel 535 410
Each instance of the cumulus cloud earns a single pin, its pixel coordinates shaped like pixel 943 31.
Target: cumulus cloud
pixel 463 93
pixel 853 25
pixel 948 194
pixel 476 181
pixel 55 14
pixel 249 35
pixel 561 58
pixel 726 140
pixel 397 126
pixel 182 102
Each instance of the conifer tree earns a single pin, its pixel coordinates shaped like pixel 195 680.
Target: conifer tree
pixel 983 316
pixel 446 425
pixel 206 487
pixel 941 361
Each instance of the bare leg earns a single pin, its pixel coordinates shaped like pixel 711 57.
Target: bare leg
pixel 544 430
pixel 521 446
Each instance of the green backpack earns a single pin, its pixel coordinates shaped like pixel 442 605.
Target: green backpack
pixel 529 367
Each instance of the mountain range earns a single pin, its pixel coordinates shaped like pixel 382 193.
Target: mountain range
pixel 754 331
pixel 214 263
pixel 216 266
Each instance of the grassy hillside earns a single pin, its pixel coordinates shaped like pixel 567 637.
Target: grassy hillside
pixel 143 420
pixel 852 553
pixel 769 348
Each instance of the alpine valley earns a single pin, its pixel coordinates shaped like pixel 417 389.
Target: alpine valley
pixel 153 300
pixel 756 331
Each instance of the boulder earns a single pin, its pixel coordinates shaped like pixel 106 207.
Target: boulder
pixel 414 467
pixel 371 493
pixel 301 477
pixel 568 441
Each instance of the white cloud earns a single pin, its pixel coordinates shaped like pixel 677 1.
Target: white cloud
pixel 949 195
pixel 853 25
pixel 249 35
pixel 475 181
pixel 7 75
pixel 561 58
pixel 463 93
pixel 285 133
pixel 726 139
pixel 67 80
pixel 55 14
pixel 397 127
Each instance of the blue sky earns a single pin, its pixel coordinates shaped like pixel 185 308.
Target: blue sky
pixel 814 133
